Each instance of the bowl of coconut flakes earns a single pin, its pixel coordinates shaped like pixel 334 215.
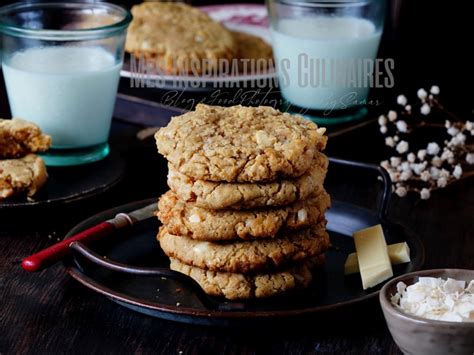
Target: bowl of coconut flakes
pixel 431 311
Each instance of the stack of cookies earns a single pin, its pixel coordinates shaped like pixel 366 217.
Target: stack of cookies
pixel 245 213
pixel 21 171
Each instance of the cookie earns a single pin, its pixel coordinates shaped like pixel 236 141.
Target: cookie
pixel 246 256
pixel 17 176
pixel 179 38
pixel 239 286
pixel 240 144
pixel 187 219
pixel 19 137
pixel 250 49
pixel 215 195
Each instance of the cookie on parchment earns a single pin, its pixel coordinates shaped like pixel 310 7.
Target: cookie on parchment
pixel 24 175
pixel 239 286
pixel 19 137
pixel 246 256
pixel 240 144
pixel 224 195
pixel 179 38
pixel 187 219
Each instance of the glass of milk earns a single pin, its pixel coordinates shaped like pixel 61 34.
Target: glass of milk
pixel 61 62
pixel 326 54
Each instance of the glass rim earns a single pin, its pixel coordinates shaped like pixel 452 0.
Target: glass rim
pixel 76 34
pixel 327 3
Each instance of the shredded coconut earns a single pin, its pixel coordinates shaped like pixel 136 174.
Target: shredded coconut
pixel 436 298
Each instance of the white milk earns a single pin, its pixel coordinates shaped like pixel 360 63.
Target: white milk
pixel 68 91
pixel 324 38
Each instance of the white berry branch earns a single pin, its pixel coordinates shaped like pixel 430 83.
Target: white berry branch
pixel 436 165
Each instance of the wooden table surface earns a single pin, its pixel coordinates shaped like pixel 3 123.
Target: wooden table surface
pixel 49 312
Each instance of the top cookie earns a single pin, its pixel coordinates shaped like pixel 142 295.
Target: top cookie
pixel 181 39
pixel 19 138
pixel 240 144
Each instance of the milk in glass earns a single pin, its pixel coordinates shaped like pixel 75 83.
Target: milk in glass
pixel 328 38
pixel 68 91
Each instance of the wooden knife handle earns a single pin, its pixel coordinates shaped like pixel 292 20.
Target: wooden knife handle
pixel 58 251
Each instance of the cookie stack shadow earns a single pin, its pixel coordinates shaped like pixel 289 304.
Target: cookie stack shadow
pixel 244 216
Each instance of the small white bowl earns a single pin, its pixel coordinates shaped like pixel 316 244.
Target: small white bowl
pixel 419 336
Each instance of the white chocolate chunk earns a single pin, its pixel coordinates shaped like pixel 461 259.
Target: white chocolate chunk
pixel 372 253
pixel 398 253
pixel 263 140
pixel 201 247
pixel 194 218
pixel 352 264
pixel 302 215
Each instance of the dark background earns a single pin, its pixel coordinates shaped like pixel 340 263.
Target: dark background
pixel 50 313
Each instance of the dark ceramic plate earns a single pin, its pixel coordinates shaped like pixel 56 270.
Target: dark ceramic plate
pixel 137 282
pixel 72 184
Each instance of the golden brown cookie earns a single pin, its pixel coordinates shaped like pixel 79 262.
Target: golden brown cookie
pixel 246 256
pixel 180 38
pixel 255 56
pixel 240 144
pixel 223 195
pixel 19 137
pixel 17 176
pixel 239 286
pixel 187 219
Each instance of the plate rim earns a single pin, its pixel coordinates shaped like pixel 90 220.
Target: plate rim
pixel 90 283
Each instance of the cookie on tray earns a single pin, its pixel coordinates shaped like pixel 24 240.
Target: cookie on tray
pixel 246 256
pixel 189 220
pixel 179 38
pixel 19 138
pixel 239 286
pixel 240 144
pixel 223 195
pixel 24 175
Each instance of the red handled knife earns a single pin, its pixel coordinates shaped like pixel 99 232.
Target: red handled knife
pixel 58 251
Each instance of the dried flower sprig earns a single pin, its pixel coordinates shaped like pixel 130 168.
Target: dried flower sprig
pixel 435 166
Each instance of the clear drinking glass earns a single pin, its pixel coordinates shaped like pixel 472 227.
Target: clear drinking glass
pixel 61 62
pixel 324 51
